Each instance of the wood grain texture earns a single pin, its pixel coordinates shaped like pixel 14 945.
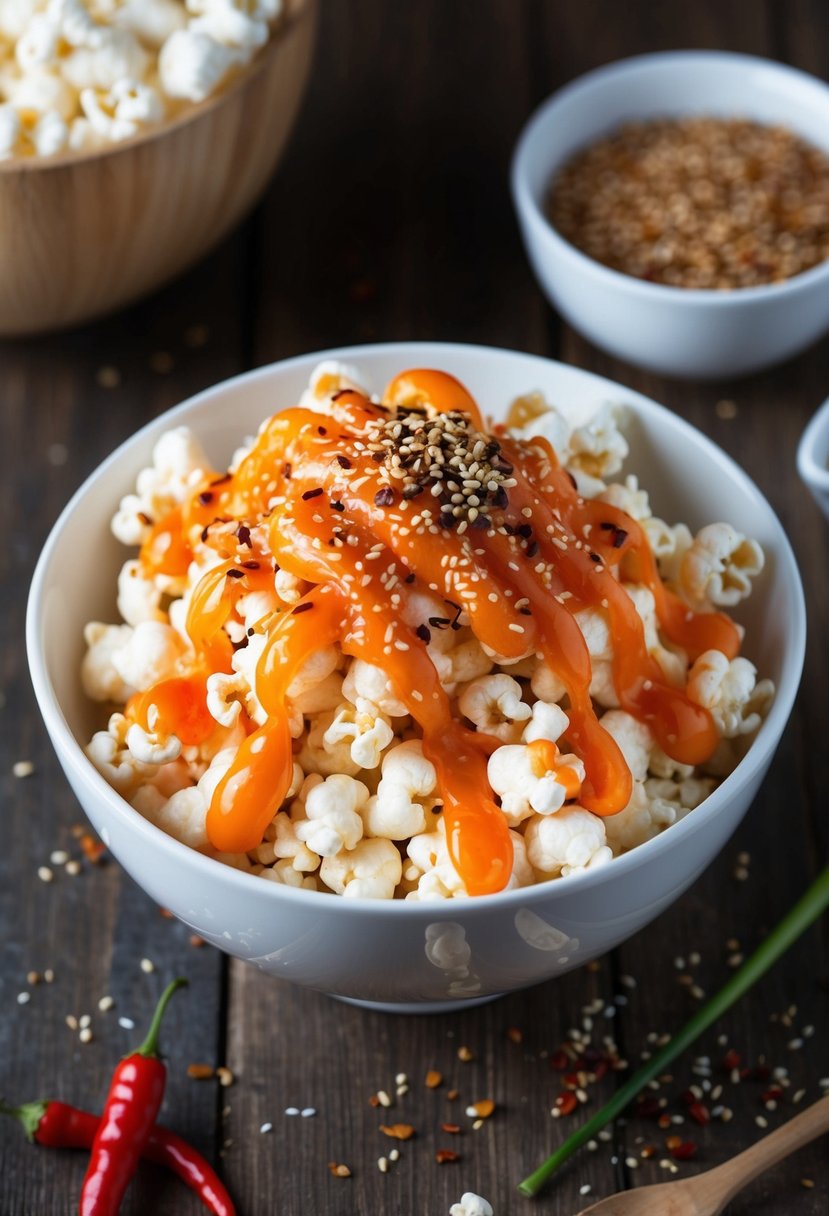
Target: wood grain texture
pixel 391 219
pixel 81 235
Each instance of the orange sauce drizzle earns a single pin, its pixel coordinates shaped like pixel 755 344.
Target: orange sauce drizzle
pixel 543 555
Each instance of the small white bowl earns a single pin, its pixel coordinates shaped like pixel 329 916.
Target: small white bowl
pixel 672 330
pixel 813 457
pixel 403 955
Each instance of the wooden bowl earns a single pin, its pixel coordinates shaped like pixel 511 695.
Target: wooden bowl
pixel 82 235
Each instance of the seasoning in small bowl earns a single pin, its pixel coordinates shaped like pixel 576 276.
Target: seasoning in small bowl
pixel 697 202
pixel 690 327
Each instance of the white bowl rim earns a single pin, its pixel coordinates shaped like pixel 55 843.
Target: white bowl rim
pixel 191 114
pixel 526 203
pixel 811 470
pixel 70 751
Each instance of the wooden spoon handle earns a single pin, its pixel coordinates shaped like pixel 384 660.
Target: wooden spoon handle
pixel 730 1177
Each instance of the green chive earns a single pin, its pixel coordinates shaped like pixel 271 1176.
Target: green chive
pixel 802 915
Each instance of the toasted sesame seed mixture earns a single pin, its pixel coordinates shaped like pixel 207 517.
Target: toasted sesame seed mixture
pixel 697 202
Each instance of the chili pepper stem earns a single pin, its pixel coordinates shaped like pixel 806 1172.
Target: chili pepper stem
pixel 149 1047
pixel 28 1115
pixel 802 915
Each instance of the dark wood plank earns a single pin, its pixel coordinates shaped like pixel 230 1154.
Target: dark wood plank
pixel 93 929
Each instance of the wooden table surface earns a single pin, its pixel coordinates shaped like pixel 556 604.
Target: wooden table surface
pixel 390 219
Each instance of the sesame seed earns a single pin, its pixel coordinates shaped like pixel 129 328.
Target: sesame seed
pixel 85 1035
pixel 147 966
pixel 45 874
pixel 308 1112
pixel 265 1128
pixel 23 998
pixel 23 768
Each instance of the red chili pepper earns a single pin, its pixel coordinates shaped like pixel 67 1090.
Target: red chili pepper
pixel 58 1125
pixel 132 1105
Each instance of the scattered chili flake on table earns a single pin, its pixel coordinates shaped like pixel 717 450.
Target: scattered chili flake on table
pixel 445 1156
pixel 200 1072
pixel 433 1078
pixel 398 1131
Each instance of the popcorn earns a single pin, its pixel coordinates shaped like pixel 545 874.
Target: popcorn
pixel 363 815
pixel 102 72
pixel 369 733
pixel 230 23
pixel 399 809
pixel 152 21
pixel 529 781
pixel 494 704
pixel 471 1205
pixel 149 653
pixel 100 679
pixel 371 870
pixel 730 691
pixel 333 822
pixel 642 819
pixel 719 566
pixel 366 682
pixel 123 111
pixel 138 597
pixel 567 842
pixel 192 65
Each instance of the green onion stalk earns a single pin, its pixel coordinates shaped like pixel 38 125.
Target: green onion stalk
pixel 803 914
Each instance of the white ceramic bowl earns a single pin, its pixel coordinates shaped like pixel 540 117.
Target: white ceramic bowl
pixel 672 330
pixel 410 956
pixel 813 457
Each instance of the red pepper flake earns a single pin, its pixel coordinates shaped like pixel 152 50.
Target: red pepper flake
pixel 312 493
pixel 451 1129
pixel 600 1069
pixel 731 1060
pixel 664 1121
pixel 166 913
pixel 452 1095
pixel 699 1113
pixel 774 1094
pixel 559 1060
pixel 197 942
pixel 339 1170
pixel 433 1078
pixel 93 849
pixel 648 1107
pixel 301 608
pixel 566 1102
pixel 398 1131
pixel 515 1035
pixel 445 1156
pixel 200 1072
pixel 571 1080
pixel 684 1151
